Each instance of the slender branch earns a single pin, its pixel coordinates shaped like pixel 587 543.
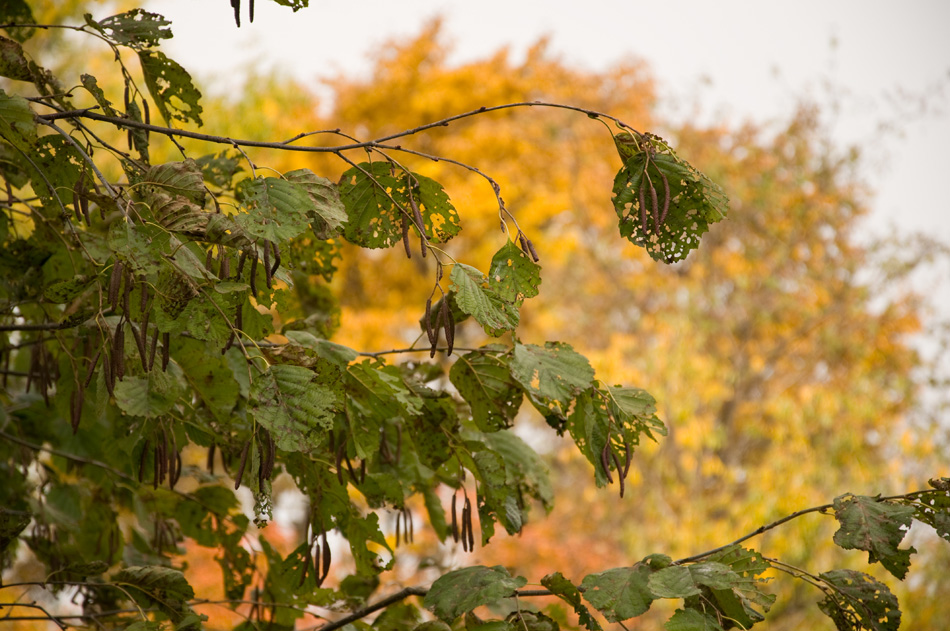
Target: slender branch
pixel 284 145
pixel 365 611
pixel 44 326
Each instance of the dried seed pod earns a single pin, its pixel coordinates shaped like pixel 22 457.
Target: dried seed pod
pixel 349 467
pixel 77 210
pixel 75 402
pixel 209 259
pixel 118 352
pixel 142 458
pixel 152 348
pixel 532 251
pixel 143 302
pixel 240 268
pixel 427 320
pixel 326 558
pixel 254 276
pixel 420 223
pixel 276 265
pixel 109 378
pixel 209 463
pixel 604 462
pixel 240 471
pixel 163 452
pixel 438 325
pixel 307 566
pixel 523 242
pixel 166 344
pixel 620 479
pixel 174 461
pixel 398 523
pixel 339 465
pixel 666 197
pixel 92 368
pixel 455 523
pixel 140 344
pixel 224 269
pixel 317 564
pixel 655 207
pixel 115 280
pixel 178 466
pixel 267 275
pixel 407 522
pixel 148 117
pixel 362 471
pixel 405 236
pixel 127 292
pixel 448 324
pixel 156 465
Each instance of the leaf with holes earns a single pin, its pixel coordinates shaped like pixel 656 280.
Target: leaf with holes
pixel 555 372
pixel 461 591
pixel 654 180
pixel 136 29
pixel 475 296
pixel 875 527
pixel 439 216
pixel 171 87
pixel 373 220
pixel 568 592
pixel 859 602
pixel 513 275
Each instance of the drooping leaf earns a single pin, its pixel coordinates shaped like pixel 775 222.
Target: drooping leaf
pixel 13 63
pixel 654 180
pixel 555 372
pixel 156 585
pixel 859 602
pixel 327 212
pixel 483 379
pixel 875 527
pixel 475 296
pixel 16 121
pixel 620 593
pixel 294 405
pixel 933 509
pixel 513 275
pixel 568 592
pixel 89 82
pixel 461 591
pixel 745 601
pixel 171 87
pixel 136 29
pixel 439 216
pixel 524 468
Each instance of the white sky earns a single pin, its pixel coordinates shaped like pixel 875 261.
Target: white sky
pixel 737 59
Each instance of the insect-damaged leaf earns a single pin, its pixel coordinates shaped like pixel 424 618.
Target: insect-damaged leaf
pixel 513 275
pixel 150 395
pixel 654 181
pixel 439 216
pixel 136 29
pixel 161 586
pixel 859 602
pixel 461 591
pixel 373 220
pixel 294 405
pixel 875 527
pixel 475 296
pixel 171 87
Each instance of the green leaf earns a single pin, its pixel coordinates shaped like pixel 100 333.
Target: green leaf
pixel 620 593
pixel 373 220
pixel 219 169
pixel 171 87
pixel 89 82
pixel 524 468
pixel 739 602
pixel 171 180
pixel 513 275
pixel 566 591
pixel 375 394
pixel 693 200
pixel 475 296
pixel 691 620
pixel 933 509
pixel 151 395
pixel 555 372
pixel 136 29
pixel 458 592
pixel 859 602
pixel 11 525
pixel 294 405
pixel 483 379
pixel 877 528
pixel 17 12
pixel 276 209
pixel 326 212
pixel 210 376
pixel 635 408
